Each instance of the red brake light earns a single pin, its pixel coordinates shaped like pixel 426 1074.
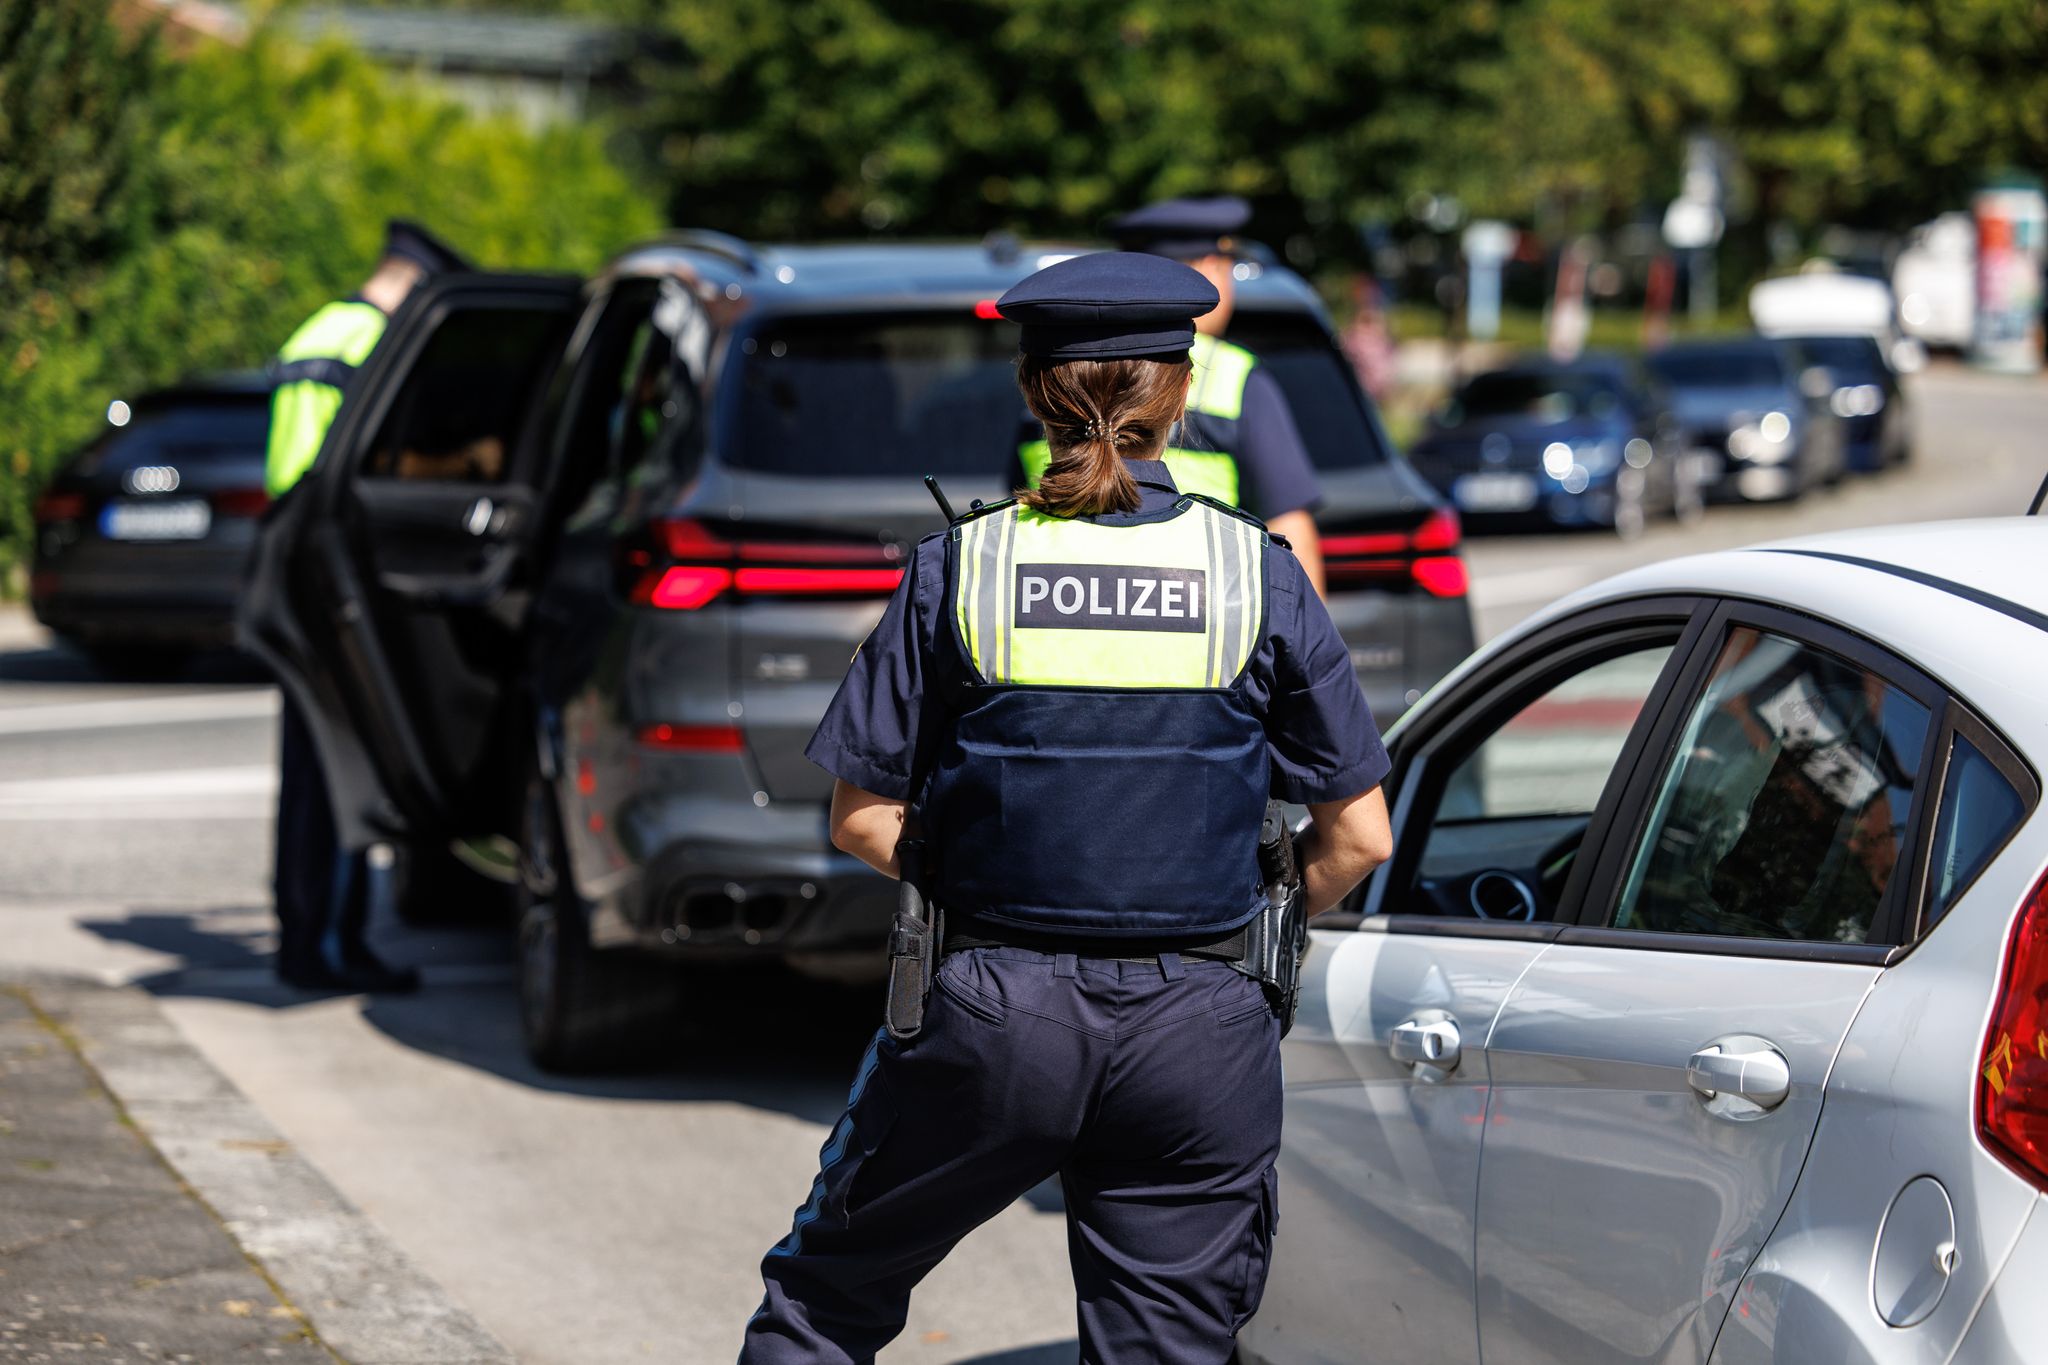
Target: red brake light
pixel 60 507
pixel 241 502
pixel 2012 1085
pixel 711 566
pixel 700 739
pixel 1425 556
pixel 986 308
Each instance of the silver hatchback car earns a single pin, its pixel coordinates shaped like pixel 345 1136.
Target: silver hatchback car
pixel 1702 1011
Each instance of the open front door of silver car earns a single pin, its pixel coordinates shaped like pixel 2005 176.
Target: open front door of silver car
pixel 1499 784
pixel 1657 1074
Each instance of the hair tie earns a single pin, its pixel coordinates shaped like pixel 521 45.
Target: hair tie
pixel 1097 430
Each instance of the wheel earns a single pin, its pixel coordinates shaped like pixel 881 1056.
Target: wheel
pixel 581 1009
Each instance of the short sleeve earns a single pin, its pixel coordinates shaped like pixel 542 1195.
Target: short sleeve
pixel 872 730
pixel 1321 735
pixel 1273 463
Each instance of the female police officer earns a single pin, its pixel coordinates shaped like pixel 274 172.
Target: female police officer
pixel 1088 695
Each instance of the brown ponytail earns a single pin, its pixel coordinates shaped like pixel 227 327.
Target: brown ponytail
pixel 1097 414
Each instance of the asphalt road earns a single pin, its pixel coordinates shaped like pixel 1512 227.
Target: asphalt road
pixel 617 1220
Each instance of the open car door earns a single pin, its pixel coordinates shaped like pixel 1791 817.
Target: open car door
pixel 388 589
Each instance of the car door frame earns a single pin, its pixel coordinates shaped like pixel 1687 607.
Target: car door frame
pixel 312 574
pixel 1890 931
pixel 1429 749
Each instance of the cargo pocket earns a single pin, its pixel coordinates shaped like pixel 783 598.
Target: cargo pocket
pixel 860 1135
pixel 1258 1254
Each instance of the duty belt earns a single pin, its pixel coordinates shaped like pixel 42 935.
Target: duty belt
pixel 971 933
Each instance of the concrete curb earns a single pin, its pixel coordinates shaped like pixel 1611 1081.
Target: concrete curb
pixel 364 1297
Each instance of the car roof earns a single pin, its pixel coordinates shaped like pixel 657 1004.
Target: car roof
pixel 876 274
pixel 1716 346
pixel 210 388
pixel 1965 601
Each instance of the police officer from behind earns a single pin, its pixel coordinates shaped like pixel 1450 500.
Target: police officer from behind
pixel 1238 442
pixel 322 892
pixel 1085 698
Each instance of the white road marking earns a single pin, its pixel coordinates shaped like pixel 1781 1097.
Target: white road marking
pixel 240 793
pixel 247 704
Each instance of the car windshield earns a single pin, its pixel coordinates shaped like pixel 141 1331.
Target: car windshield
pixel 1546 397
pixel 183 430
pixel 1744 368
pixel 1850 359
pixel 901 394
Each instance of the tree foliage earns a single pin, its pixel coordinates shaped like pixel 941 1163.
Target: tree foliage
pixel 167 214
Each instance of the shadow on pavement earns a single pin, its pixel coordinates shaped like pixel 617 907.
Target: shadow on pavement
pixel 1050 1353
pixel 766 1038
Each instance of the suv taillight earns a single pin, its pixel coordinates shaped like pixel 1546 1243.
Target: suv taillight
pixel 2012 1084
pixel 1426 556
pixel 60 507
pixel 690 567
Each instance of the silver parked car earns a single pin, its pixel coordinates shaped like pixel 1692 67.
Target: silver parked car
pixel 1702 1011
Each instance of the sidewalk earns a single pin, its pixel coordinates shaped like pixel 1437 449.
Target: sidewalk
pixel 149 1213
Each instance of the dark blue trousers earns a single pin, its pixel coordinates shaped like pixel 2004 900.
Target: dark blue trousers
pixel 1151 1089
pixel 322 891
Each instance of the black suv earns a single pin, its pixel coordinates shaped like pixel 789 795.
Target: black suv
pixel 581 564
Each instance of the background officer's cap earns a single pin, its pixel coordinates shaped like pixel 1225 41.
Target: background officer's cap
pixel 1185 229
pixel 1109 305
pixel 407 239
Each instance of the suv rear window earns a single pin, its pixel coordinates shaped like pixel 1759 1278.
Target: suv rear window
pixel 895 395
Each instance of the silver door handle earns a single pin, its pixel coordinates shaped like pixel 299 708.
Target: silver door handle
pixel 1433 1042
pixel 1759 1075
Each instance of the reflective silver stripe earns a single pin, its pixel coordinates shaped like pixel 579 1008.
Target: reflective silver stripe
pixel 963 547
pixel 1231 628
pixel 988 594
pixel 1217 598
pixel 1006 569
pixel 1248 608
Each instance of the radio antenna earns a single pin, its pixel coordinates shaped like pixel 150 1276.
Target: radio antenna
pixel 931 482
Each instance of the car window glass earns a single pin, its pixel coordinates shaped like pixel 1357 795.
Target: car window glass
pixel 1322 395
pixel 462 402
pixel 1786 806
pixel 1979 808
pixel 1512 814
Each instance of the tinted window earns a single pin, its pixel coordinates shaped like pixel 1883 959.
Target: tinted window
pixel 1979 809
pixel 465 396
pixel 1515 808
pixel 184 432
pixel 1744 368
pixel 1536 397
pixel 1852 360
pixel 1787 804
pixel 1320 389
pixel 890 396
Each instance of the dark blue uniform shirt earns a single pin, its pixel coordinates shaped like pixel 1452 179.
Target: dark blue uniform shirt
pixel 901 693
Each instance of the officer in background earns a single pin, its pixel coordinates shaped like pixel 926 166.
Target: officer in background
pixel 1238 443
pixel 1085 696
pixel 322 893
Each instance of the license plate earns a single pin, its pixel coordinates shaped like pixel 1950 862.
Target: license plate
pixel 1495 492
pixel 185 519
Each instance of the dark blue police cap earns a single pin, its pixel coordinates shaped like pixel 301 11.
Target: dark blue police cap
pixel 1109 305
pixel 1186 229
pixel 407 239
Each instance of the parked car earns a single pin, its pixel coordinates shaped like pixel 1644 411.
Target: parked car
pixel 1696 1016
pixel 1756 416
pixel 707 482
pixel 1877 423
pixel 1935 278
pixel 1582 443
pixel 141 538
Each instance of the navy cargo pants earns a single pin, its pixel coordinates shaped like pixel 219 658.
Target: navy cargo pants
pixel 1151 1088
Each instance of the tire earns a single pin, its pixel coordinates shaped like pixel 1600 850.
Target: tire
pixel 581 1009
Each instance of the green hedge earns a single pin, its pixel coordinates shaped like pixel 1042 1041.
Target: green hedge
pixel 164 213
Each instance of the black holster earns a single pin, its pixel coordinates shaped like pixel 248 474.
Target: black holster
pixel 915 941
pixel 1277 940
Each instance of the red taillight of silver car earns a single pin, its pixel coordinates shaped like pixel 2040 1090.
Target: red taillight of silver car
pixel 2012 1082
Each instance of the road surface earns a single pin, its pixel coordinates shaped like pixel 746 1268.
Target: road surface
pixel 620 1219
